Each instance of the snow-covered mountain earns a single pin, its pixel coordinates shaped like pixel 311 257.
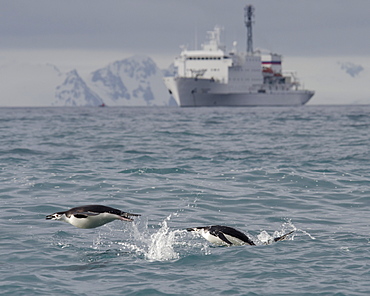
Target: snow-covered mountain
pixel 135 81
pixel 75 92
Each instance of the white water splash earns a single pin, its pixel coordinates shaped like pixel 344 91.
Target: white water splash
pixel 158 246
pixel 162 242
pixel 306 233
pixel 289 225
pixel 265 238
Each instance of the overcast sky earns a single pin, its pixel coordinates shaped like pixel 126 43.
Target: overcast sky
pixel 158 27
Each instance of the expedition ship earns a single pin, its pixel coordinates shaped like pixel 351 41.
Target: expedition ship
pixel 213 77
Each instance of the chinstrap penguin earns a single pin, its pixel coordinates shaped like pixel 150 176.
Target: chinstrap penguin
pixel 91 216
pixel 225 235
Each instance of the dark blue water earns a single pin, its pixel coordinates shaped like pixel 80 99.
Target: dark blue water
pixel 265 171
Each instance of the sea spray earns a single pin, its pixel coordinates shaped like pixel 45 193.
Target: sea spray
pixel 265 239
pixel 289 226
pixel 157 246
pixel 162 242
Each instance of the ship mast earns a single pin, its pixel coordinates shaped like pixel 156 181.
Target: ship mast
pixel 248 14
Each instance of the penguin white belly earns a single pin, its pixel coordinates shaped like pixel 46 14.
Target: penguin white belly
pixel 234 240
pixel 218 241
pixel 92 221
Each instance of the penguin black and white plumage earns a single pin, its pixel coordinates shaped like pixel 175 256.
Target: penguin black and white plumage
pixel 91 216
pixel 225 235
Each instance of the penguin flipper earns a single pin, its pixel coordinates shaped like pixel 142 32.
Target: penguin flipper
pixel 221 236
pixel 85 214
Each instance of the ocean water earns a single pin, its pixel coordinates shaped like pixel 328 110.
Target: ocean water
pixel 264 171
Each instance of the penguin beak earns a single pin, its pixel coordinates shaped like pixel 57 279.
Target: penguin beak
pixel 126 219
pixel 50 217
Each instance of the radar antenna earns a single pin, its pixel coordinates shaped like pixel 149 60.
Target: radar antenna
pixel 248 14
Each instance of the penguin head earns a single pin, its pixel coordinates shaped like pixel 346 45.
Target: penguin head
pixel 55 216
pixel 198 229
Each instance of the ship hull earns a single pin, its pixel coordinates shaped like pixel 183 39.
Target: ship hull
pixel 207 93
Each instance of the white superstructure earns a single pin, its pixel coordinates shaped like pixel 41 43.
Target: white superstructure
pixel 212 77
